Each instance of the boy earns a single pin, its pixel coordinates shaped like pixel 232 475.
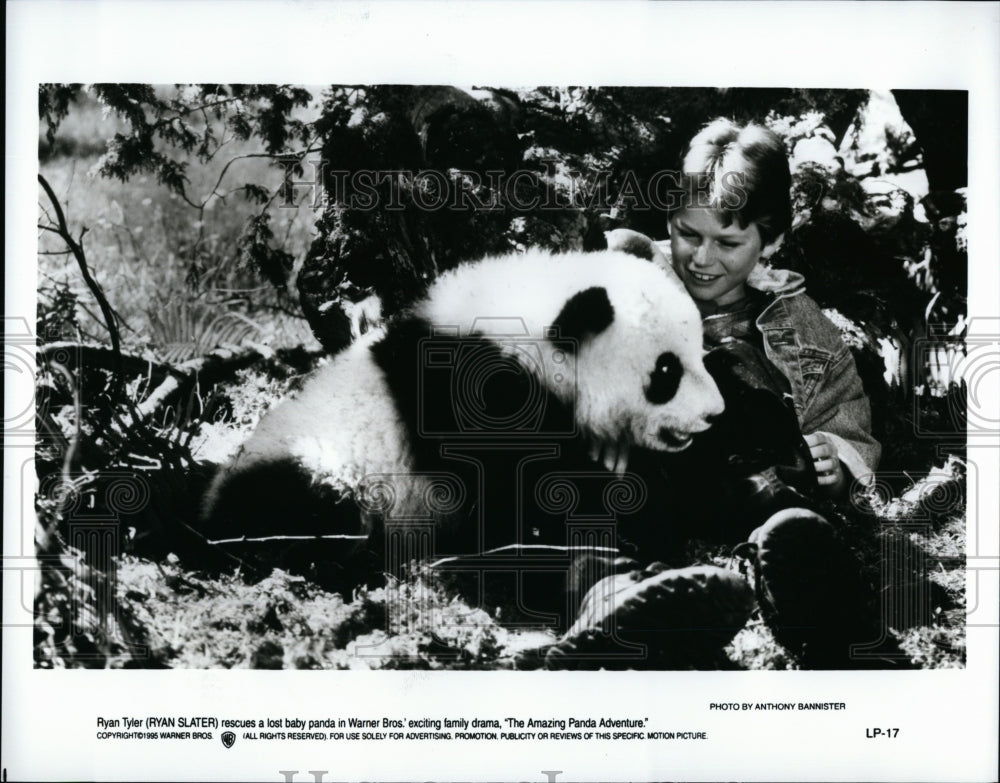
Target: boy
pixel 716 252
pixel 769 342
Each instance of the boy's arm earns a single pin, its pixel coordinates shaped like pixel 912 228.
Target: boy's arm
pixel 841 411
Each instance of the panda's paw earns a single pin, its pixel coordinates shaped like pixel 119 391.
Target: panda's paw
pixel 655 618
pixel 613 455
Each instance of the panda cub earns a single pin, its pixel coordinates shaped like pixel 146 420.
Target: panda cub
pixel 451 416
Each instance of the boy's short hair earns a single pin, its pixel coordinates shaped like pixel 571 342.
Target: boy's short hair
pixel 743 171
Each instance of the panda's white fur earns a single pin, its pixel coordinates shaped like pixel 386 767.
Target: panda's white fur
pixel 346 424
pixel 342 425
pixel 652 314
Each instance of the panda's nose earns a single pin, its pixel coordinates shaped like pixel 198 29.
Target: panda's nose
pixel 711 418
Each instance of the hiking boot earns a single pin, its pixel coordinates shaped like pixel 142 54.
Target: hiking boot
pixel 811 593
pixel 655 618
pixel 761 495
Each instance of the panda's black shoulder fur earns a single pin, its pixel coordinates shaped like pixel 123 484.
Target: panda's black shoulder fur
pixel 473 412
pixel 447 387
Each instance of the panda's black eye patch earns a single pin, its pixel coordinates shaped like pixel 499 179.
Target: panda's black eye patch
pixel 665 379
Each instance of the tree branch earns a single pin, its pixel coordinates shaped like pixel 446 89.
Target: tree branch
pixel 207 369
pixel 110 318
pixel 90 355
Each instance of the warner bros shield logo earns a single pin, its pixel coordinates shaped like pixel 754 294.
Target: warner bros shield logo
pixel 228 739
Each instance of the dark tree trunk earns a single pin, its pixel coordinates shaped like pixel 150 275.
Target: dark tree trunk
pixel 940 121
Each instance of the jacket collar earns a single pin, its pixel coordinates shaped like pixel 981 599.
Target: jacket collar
pixel 779 284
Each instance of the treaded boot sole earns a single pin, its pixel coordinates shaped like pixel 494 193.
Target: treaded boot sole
pixel 809 590
pixel 669 618
pixel 793 567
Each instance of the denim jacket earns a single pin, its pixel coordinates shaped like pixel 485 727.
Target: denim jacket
pixel 809 351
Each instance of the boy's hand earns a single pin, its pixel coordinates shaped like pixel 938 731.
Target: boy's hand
pixel 829 470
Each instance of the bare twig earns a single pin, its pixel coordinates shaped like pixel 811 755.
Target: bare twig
pixel 182 112
pixel 75 246
pixel 264 539
pixel 301 154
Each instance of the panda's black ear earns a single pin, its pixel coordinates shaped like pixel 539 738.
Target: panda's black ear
pixel 585 314
pixel 631 242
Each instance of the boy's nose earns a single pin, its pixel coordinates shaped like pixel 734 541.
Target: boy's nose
pixel 701 255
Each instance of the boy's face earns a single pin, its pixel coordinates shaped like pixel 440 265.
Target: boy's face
pixel 713 260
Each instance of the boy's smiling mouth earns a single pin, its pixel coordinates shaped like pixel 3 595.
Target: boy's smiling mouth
pixel 702 278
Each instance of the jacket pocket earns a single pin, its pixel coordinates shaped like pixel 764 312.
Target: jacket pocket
pixel 813 364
